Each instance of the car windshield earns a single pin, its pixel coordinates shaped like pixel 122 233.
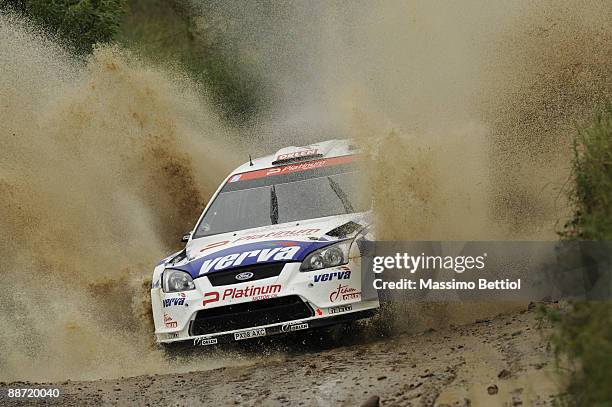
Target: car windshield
pixel 272 196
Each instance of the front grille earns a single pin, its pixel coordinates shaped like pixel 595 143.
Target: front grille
pixel 260 271
pixel 250 314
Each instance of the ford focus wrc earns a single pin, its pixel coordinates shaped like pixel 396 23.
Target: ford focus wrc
pixel 276 250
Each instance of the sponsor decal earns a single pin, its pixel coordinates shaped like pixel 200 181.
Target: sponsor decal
pixel 252 292
pixel 319 312
pixel 205 341
pixel 253 333
pixel 294 327
pixel 170 302
pixel 213 245
pixel 285 169
pixel 297 154
pixel 283 253
pixel 212 296
pixel 247 275
pixel 343 274
pixel 169 322
pixel 341 308
pixel 250 253
pixel 344 293
pixel 280 233
pixel 276 234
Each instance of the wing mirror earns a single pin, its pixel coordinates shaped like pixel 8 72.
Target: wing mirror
pixel 186 237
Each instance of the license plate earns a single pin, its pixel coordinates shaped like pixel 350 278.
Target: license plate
pixel 253 333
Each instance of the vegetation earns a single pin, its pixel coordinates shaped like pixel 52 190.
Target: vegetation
pixel 592 173
pixel 169 32
pixel 584 333
pixel 584 338
pixel 81 23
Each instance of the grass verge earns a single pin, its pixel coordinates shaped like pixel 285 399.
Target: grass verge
pixel 584 332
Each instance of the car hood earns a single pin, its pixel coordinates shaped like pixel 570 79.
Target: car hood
pixel 276 243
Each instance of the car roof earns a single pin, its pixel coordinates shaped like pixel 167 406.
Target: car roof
pixel 293 154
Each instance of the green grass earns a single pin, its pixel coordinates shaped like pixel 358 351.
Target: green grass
pixel 583 336
pixel 592 176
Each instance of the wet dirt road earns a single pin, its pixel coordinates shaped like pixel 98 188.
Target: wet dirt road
pixel 503 361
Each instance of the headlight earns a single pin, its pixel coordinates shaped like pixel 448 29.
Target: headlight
pixel 330 256
pixel 177 280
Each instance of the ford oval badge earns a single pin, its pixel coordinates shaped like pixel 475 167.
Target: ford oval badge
pixel 244 276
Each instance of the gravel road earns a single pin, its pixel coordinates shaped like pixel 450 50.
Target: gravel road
pixel 503 361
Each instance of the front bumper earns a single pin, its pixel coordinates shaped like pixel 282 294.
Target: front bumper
pixel 290 301
pixel 273 329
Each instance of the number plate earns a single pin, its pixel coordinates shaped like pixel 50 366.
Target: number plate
pixel 253 333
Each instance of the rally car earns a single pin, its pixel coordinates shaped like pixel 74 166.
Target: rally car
pixel 276 250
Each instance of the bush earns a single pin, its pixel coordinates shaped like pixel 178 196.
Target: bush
pixel 584 338
pixel 592 176
pixel 82 23
pixel 584 333
pixel 168 32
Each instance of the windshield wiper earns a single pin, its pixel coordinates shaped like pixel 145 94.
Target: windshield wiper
pixel 348 207
pixel 273 206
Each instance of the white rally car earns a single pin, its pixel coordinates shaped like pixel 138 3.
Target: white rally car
pixel 276 250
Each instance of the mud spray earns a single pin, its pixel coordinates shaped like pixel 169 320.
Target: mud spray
pixel 105 163
pixel 465 110
pixel 474 142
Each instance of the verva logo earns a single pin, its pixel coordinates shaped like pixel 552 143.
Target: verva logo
pixel 342 274
pixel 169 302
pixel 180 300
pixel 260 255
pixel 297 154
